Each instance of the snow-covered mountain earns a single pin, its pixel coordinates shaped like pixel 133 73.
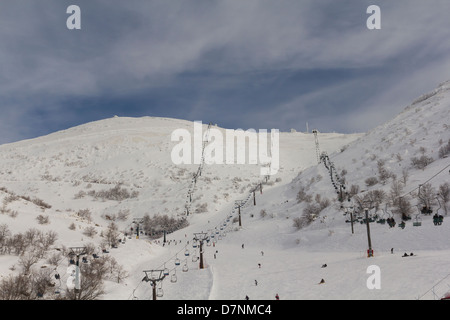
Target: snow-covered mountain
pixel 78 181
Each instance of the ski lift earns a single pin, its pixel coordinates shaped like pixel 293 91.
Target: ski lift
pixel 173 278
pixel 185 268
pixel 194 258
pixel 166 272
pixel 160 291
pixel 186 253
pixel 418 221
pixel 194 244
pixel 177 262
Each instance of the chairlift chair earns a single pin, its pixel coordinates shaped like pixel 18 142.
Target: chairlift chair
pixel 186 253
pixel 418 220
pixel 159 292
pixel 177 262
pixel 173 278
pixel 417 223
pixel 166 272
pixel 185 268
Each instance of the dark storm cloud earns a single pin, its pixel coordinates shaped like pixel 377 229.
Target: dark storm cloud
pixel 252 63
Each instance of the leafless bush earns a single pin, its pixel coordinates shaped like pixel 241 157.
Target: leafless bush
pixel 16 288
pixel 427 195
pixel 81 194
pixel 42 219
pixel 311 211
pixel 112 234
pixel 85 214
pixel 41 203
pixel 403 207
pixel 444 150
pixel 383 173
pixel 298 223
pixel 354 190
pixel 201 208
pixel 91 287
pixel 117 194
pixel 303 196
pixel 27 260
pixel 263 213
pixel 90 231
pixel 371 181
pixel 156 225
pixel 55 259
pixel 422 162
pixel 122 215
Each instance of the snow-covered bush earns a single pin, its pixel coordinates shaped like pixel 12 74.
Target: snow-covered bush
pixel 371 181
pixel 444 150
pixel 421 162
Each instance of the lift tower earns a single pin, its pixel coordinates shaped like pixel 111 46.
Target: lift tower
pixel 315 131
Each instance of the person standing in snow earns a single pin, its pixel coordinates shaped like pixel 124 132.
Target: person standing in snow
pixel 277 297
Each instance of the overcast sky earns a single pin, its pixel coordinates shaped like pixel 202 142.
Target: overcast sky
pixel 258 64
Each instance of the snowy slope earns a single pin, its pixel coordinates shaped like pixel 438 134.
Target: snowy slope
pixel 62 169
pixel 136 154
pixel 291 260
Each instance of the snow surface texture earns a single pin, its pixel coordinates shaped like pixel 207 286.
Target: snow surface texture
pixel 267 255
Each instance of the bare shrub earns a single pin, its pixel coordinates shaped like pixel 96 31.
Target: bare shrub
pixel 303 196
pixel 156 225
pixel 298 223
pixel 403 207
pixel 41 203
pixel 117 194
pixel 43 219
pixel 112 235
pixel 371 181
pixel 90 232
pixel 16 288
pixel 427 195
pixel 85 214
pixel 201 208
pixel 444 150
pixel 422 162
